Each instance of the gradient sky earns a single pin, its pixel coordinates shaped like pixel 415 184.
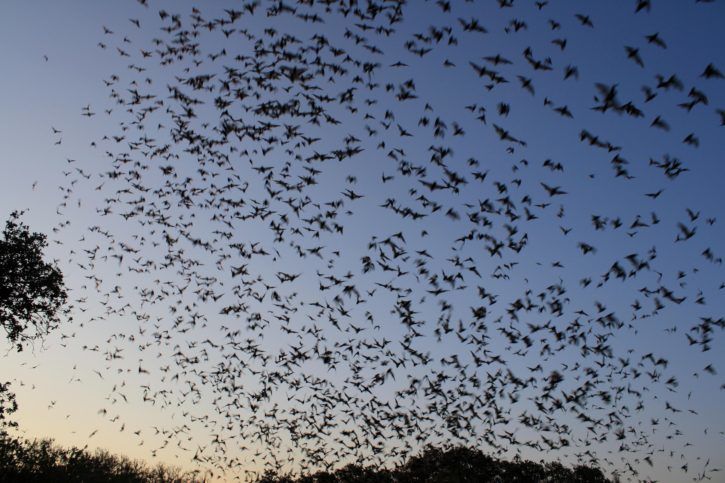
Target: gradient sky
pixel 60 394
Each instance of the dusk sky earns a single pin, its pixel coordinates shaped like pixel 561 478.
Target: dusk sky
pixel 513 212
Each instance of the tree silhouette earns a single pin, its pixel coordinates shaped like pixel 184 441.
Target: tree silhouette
pixel 43 460
pixel 32 294
pixel 451 465
pixel 31 290
pixel 8 405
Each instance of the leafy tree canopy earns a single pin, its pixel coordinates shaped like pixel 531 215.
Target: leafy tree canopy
pixel 32 292
pixel 452 465
pixel 43 460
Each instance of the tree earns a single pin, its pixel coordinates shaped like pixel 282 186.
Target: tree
pixel 31 290
pixel 7 407
pixel 450 465
pixel 31 295
pixel 43 460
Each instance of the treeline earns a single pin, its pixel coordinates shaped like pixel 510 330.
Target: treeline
pixel 43 461
pixel 457 465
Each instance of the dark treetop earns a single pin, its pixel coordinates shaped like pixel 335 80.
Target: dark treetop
pixel 31 290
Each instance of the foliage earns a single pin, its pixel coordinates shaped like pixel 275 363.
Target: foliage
pixel 31 290
pixel 455 465
pixel 42 460
pixel 31 296
pixel 8 405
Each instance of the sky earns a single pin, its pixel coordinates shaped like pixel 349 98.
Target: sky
pixel 109 372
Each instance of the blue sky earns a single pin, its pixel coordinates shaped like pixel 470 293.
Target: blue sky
pixel 39 95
